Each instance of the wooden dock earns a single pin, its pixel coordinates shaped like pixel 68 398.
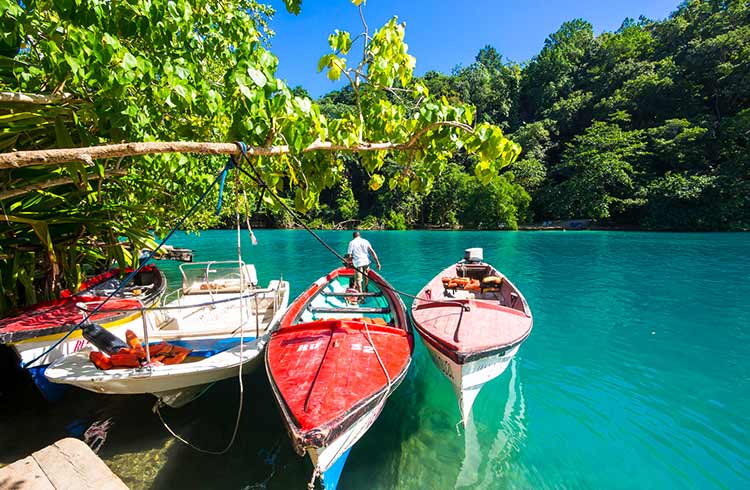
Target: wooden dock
pixel 67 464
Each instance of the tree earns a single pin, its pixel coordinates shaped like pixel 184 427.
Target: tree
pixel 596 173
pixel 158 70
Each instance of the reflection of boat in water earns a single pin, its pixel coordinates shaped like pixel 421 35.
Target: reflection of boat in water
pixel 510 435
pixel 219 315
pixel 473 320
pixel 36 329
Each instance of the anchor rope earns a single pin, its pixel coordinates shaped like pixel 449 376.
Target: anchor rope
pixel 242 347
pixel 262 184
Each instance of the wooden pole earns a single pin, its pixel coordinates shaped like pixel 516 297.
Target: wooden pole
pixel 20 159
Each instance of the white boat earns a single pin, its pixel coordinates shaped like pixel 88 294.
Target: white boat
pixel 219 313
pixel 472 320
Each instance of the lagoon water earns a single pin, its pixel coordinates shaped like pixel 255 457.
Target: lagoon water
pixel 636 375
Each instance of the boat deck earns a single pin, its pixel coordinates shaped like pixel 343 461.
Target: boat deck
pixel 472 320
pixel 484 326
pixel 218 319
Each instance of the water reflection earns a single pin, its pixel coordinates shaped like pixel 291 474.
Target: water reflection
pixel 509 438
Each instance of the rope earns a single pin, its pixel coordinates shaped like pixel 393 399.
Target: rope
pixel 261 183
pixel 316 474
pixel 242 348
pixel 130 276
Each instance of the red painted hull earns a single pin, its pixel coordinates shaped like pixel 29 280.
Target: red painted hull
pixel 59 315
pixel 326 373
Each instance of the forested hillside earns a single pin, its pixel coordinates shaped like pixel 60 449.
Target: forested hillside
pixel 647 126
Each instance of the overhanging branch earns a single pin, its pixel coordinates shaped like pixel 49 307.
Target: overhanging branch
pixel 40 99
pixel 20 159
pixel 53 183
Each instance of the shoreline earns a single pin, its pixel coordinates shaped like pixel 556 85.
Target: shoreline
pixel 525 228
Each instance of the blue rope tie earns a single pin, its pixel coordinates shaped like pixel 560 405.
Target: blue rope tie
pixel 229 166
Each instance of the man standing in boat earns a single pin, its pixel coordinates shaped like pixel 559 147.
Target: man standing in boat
pixel 360 251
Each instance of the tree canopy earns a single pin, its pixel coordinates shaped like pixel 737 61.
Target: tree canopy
pixel 77 74
pixel 644 127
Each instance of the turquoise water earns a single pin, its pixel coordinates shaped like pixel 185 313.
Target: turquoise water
pixel 636 375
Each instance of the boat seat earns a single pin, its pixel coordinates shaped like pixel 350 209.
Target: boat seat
pixel 353 309
pixel 352 294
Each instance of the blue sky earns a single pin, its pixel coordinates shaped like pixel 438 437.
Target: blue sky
pixel 440 33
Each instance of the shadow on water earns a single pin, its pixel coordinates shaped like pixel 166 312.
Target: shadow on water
pixel 261 456
pixel 634 377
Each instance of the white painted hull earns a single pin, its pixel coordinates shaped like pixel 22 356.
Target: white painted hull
pixel 175 385
pixel 168 383
pixel 324 457
pixel 469 378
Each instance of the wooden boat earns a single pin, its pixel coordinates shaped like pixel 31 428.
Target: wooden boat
pixel 472 320
pixel 35 329
pixel 219 314
pixel 335 359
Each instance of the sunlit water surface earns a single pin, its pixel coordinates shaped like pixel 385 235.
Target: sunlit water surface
pixel 636 375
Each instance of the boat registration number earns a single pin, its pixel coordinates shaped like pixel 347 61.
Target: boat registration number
pixel 367 349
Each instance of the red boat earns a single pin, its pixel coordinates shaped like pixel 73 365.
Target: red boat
pixel 472 320
pixel 57 316
pixel 336 357
pixel 34 331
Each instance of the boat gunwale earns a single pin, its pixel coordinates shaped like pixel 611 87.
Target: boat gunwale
pixel 465 356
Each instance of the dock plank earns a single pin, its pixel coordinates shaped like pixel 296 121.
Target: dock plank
pixel 68 464
pixel 24 474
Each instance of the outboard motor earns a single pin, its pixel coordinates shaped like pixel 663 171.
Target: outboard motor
pixel 473 255
pixel 103 339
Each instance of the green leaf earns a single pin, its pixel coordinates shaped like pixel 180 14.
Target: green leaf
pixel 376 182
pixel 257 76
pixel 334 73
pixel 129 61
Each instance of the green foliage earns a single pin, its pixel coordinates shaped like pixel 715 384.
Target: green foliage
pixel 346 205
pixel 501 204
pixel 162 70
pixel 394 221
pixel 598 170
pixel 673 198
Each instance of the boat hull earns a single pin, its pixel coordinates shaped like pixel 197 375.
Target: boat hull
pixel 173 385
pixel 39 327
pixel 471 331
pixel 469 378
pixel 331 458
pixel 217 353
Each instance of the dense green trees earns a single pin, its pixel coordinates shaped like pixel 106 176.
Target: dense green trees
pixel 647 126
pixel 78 74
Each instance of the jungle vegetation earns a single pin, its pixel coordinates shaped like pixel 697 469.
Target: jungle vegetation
pixel 81 74
pixel 647 127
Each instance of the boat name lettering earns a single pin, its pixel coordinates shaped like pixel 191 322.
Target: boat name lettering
pixel 80 344
pixel 305 347
pixel 367 349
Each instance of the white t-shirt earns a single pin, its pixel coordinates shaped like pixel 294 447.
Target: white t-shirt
pixel 358 248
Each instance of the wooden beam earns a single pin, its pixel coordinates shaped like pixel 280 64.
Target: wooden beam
pixel 20 159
